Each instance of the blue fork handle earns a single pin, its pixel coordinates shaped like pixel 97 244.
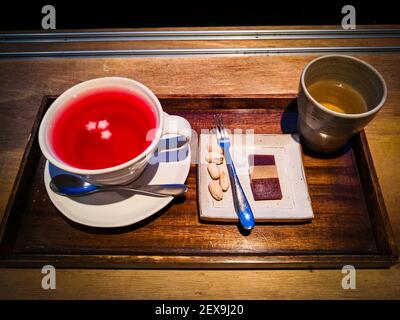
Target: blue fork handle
pixel 241 204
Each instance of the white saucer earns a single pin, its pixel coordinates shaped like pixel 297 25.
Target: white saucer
pixel 112 209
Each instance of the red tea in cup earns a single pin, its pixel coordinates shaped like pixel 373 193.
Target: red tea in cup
pixel 103 128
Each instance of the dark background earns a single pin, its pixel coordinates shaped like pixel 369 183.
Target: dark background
pixel 26 15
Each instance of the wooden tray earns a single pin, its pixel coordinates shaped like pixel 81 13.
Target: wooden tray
pixel 350 225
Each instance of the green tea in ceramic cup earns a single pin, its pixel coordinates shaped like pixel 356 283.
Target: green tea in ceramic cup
pixel 339 95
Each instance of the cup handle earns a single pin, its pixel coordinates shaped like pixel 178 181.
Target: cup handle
pixel 177 126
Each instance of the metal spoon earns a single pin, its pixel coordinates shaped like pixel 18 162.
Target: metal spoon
pixel 69 185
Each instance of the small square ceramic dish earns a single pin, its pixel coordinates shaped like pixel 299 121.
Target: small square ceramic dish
pixel 295 204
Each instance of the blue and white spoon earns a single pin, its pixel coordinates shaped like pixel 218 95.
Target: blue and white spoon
pixel 70 185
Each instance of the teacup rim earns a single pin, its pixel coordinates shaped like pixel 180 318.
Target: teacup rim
pixel 339 114
pixel 89 172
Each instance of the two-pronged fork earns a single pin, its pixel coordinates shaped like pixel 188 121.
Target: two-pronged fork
pixel 241 204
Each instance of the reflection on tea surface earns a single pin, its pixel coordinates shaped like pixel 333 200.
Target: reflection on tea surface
pixel 338 96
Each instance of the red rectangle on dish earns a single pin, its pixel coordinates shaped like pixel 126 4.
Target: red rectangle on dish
pixel 261 160
pixel 266 189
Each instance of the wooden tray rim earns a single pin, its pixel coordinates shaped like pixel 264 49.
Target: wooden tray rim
pixel 217 261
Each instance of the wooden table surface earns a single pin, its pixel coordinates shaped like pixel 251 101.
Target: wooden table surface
pixel 23 82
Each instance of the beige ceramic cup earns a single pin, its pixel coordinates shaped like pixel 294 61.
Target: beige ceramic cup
pixel 322 129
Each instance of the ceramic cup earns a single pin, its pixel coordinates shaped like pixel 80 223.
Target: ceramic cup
pixel 128 171
pixel 322 129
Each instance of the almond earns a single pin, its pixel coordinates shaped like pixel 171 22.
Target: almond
pixel 215 190
pixel 224 180
pixel 214 148
pixel 216 158
pixel 213 170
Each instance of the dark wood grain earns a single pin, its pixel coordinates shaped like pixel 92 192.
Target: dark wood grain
pixel 350 224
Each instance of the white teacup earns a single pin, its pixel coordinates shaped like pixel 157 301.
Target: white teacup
pixel 125 172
